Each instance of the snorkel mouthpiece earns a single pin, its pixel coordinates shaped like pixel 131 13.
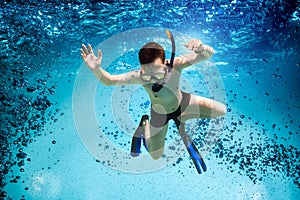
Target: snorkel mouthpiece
pixel 155 86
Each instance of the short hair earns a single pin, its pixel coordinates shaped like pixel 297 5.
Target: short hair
pixel 151 51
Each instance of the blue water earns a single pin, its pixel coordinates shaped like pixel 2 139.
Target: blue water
pixel 65 136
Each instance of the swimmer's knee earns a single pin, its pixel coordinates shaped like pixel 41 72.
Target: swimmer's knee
pixel 155 151
pixel 156 154
pixel 155 143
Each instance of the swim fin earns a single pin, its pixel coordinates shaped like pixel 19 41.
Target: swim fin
pixel 136 143
pixel 190 146
pixel 137 138
pixel 196 157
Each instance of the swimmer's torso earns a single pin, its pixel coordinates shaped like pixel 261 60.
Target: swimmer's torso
pixel 168 98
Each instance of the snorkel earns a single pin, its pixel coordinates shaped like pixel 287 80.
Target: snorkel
pixel 170 36
pixel 156 87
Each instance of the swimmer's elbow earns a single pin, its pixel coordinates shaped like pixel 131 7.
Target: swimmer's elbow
pixel 106 82
pixel 221 111
pixel 218 111
pixel 110 80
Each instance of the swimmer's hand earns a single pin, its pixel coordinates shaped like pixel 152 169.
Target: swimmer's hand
pixel 197 46
pixel 89 57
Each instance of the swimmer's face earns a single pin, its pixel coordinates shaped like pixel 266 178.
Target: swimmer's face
pixel 154 72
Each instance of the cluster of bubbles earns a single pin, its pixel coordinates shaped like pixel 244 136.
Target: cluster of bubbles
pixel 26 107
pixel 262 158
pixel 27 89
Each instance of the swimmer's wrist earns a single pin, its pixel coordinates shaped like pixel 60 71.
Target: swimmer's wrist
pixel 96 69
pixel 206 49
pixel 200 50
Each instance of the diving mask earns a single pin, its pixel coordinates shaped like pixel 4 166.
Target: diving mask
pixel 158 76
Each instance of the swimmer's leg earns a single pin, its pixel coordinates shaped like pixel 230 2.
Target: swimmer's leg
pixel 201 107
pixel 155 140
pixel 190 146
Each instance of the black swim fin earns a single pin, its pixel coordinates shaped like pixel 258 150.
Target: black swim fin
pixel 137 138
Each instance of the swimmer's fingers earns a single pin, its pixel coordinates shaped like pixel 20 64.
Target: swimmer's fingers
pixel 99 54
pixel 198 44
pixel 199 47
pixel 84 49
pixel 90 49
pixel 87 50
pixel 190 44
pixel 194 44
pixel 83 55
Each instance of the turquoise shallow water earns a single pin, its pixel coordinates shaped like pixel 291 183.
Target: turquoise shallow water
pixel 65 136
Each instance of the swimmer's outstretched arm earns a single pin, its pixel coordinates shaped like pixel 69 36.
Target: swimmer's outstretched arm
pixel 201 52
pixel 94 63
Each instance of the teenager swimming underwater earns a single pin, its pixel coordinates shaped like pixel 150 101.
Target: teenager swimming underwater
pixel 161 80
